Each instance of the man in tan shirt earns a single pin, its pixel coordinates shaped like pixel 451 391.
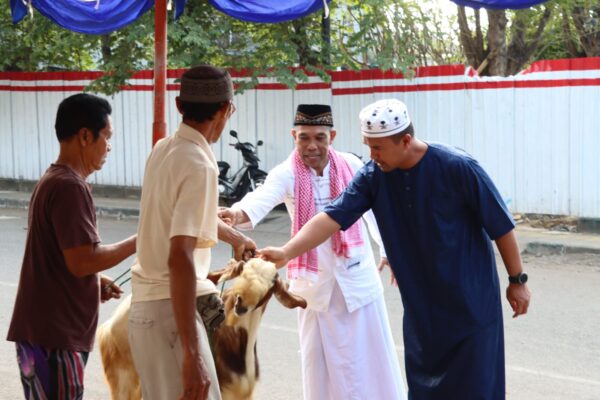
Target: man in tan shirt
pixel 178 226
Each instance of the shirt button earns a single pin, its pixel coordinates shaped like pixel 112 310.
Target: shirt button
pixel 407 188
pixel 406 174
pixel 409 205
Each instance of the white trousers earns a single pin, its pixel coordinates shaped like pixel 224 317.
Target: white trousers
pixel 158 354
pixel 349 356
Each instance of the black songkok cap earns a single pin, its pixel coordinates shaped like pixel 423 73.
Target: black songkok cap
pixel 313 114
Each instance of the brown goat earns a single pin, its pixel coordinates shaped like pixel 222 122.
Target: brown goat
pixel 234 342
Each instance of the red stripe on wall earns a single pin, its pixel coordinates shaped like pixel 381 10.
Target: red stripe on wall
pixel 273 86
pixel 468 85
pixel 50 76
pixel 572 64
pixel 420 72
pixel 61 88
pixel 547 83
pixel 568 64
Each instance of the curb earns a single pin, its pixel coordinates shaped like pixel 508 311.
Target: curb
pixel 14 203
pixel 101 211
pixel 553 249
pixel 117 212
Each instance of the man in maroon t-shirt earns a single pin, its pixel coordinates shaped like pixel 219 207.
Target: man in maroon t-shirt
pixel 56 310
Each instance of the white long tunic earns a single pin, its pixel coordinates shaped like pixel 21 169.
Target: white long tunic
pixel 347 348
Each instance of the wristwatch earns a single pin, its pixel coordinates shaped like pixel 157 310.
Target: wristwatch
pixel 519 278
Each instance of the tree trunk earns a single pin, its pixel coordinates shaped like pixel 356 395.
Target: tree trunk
pixel 521 48
pixel 472 45
pixel 497 42
pixel 587 29
pixel 570 44
pixel 325 40
pixel 300 40
pixel 105 48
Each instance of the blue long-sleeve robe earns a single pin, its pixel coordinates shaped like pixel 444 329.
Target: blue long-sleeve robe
pixel 436 221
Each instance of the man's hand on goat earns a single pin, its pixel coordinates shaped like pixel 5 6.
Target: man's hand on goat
pixel 109 289
pixel 385 263
pixel 276 255
pixel 194 375
pixel 245 249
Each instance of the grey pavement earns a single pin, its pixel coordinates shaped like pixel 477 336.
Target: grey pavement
pixel 536 241
pixel 551 354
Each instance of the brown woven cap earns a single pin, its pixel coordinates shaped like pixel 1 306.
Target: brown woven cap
pixel 206 84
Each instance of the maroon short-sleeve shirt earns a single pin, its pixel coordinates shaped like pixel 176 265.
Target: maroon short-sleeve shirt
pixel 53 307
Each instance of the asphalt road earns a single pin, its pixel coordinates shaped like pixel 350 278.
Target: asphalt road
pixel 553 353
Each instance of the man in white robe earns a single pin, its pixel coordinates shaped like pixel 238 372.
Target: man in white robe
pixel 347 348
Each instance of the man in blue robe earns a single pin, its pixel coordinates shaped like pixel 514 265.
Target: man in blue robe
pixel 437 211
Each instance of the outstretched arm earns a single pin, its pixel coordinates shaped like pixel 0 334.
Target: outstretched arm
pixel 313 233
pixel 518 295
pixel 92 258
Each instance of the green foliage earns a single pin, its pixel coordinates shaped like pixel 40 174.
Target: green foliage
pixel 39 45
pixel 386 34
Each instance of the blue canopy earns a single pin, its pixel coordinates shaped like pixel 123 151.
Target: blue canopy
pixel 104 16
pixel 498 4
pixel 95 17
pixel 269 11
pixel 98 17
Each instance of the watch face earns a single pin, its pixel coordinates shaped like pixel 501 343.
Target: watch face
pixel 520 278
pixel 523 278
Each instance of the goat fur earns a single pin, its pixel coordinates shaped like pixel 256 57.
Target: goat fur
pixel 234 342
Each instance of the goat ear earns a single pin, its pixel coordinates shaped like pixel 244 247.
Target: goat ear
pixel 287 299
pixel 228 272
pixel 234 269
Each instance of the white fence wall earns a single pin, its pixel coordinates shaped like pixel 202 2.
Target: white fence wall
pixel 537 133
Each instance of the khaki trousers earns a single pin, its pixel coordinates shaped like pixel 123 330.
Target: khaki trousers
pixel 157 352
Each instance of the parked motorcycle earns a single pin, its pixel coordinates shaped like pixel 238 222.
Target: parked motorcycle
pixel 233 188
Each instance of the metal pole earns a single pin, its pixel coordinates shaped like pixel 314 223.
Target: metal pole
pixel 159 127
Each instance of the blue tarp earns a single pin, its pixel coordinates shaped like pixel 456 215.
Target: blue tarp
pixel 267 11
pixel 105 16
pixel 98 17
pixel 95 17
pixel 498 4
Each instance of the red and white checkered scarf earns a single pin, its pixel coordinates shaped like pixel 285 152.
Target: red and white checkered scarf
pixel 340 173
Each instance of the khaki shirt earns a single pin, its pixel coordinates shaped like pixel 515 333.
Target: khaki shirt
pixel 179 198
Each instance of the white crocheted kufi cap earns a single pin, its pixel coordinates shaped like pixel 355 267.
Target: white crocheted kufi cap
pixel 384 118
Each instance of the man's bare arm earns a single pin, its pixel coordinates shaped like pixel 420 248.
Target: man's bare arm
pixel 92 258
pixel 182 279
pixel 517 295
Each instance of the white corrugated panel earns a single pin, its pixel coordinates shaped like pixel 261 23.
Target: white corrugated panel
pixel 542 146
pixel 6 137
pixel 583 141
pixel 25 133
pixel 274 118
pixel 537 134
pixel 46 118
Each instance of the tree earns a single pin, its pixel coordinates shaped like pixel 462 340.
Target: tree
pixel 509 47
pixel 38 44
pixel 385 34
pixel 393 35
pixel 581 27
